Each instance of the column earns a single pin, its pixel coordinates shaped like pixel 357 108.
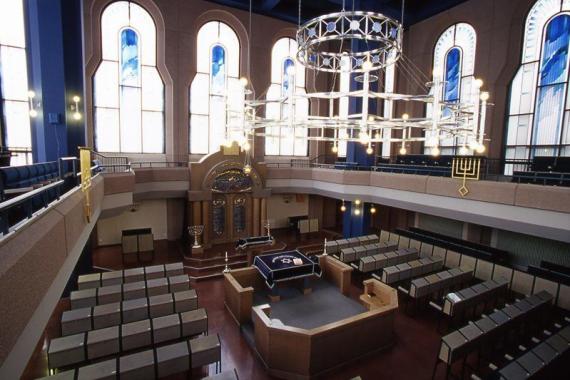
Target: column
pixel 206 222
pixel 356 225
pixel 56 76
pixel 264 215
pixel 256 214
pixel 196 213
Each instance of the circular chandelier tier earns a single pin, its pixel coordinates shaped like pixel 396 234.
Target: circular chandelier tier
pixel 366 43
pixel 374 41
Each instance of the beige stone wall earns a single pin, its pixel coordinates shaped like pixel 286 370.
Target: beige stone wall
pixel 36 261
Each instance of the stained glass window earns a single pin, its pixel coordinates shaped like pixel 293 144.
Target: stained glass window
pixel 216 95
pixel 14 118
pixel 283 140
pixel 539 109
pixel 128 89
pixel 452 75
pixel 454 62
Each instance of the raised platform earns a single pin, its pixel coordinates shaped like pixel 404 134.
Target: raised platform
pixel 324 305
pixel 304 336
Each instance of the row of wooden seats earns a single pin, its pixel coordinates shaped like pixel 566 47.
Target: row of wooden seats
pixel 113 314
pixel 128 291
pixel 334 247
pixel 117 277
pixel 519 281
pixel 380 261
pixel 535 362
pixel 457 302
pixel 408 270
pixel 94 344
pixel 158 362
pixel 467 339
pixel 437 282
pixel 348 255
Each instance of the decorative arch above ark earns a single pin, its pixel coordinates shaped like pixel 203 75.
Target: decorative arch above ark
pixel 229 177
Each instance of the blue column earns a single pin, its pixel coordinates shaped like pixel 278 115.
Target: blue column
pixel 55 66
pixel 356 225
pixel 355 151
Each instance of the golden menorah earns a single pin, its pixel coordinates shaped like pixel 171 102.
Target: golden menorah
pixel 466 168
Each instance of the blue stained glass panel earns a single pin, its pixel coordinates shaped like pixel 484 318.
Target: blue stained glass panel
pixel 548 119
pixel 130 69
pixel 452 75
pixel 554 65
pixel 286 64
pixel 218 70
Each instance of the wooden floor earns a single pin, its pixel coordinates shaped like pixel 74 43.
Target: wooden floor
pixel 412 357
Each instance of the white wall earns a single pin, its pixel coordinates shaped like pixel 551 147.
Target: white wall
pixel 282 206
pixel 148 214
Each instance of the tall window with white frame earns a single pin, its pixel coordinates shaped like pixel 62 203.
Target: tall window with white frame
pixel 280 140
pixel 539 109
pixel 216 94
pixel 14 108
pixel 128 91
pixel 454 64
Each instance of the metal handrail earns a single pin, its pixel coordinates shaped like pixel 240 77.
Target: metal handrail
pixel 26 200
pixel 30 194
pixel 491 170
pixel 151 164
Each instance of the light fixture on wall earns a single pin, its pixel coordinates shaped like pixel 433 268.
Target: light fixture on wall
pixel 32 104
pixel 75 108
pixel 357 204
pixel 343 207
pixel 373 209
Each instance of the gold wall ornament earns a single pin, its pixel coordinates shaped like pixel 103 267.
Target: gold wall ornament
pixel 85 165
pixel 466 168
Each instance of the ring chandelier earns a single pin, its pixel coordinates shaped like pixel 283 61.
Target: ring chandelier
pixel 380 40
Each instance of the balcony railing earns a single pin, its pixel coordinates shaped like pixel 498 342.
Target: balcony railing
pixel 491 169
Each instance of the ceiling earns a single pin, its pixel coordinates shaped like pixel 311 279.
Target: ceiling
pixel 288 10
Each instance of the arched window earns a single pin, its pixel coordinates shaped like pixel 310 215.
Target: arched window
pixel 128 92
pixel 539 110
pixel 216 94
pixel 454 63
pixel 14 110
pixel 282 140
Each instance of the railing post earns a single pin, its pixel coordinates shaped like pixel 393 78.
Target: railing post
pixel 4 225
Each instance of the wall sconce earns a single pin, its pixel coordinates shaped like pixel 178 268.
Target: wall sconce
pixel 32 106
pixel 75 108
pixel 343 207
pixel 372 209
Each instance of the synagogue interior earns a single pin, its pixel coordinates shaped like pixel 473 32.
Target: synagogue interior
pixel 284 189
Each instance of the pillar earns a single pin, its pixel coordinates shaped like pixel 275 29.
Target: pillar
pixel 206 222
pixel 196 213
pixel 55 65
pixel 256 216
pixel 264 215
pixel 356 225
